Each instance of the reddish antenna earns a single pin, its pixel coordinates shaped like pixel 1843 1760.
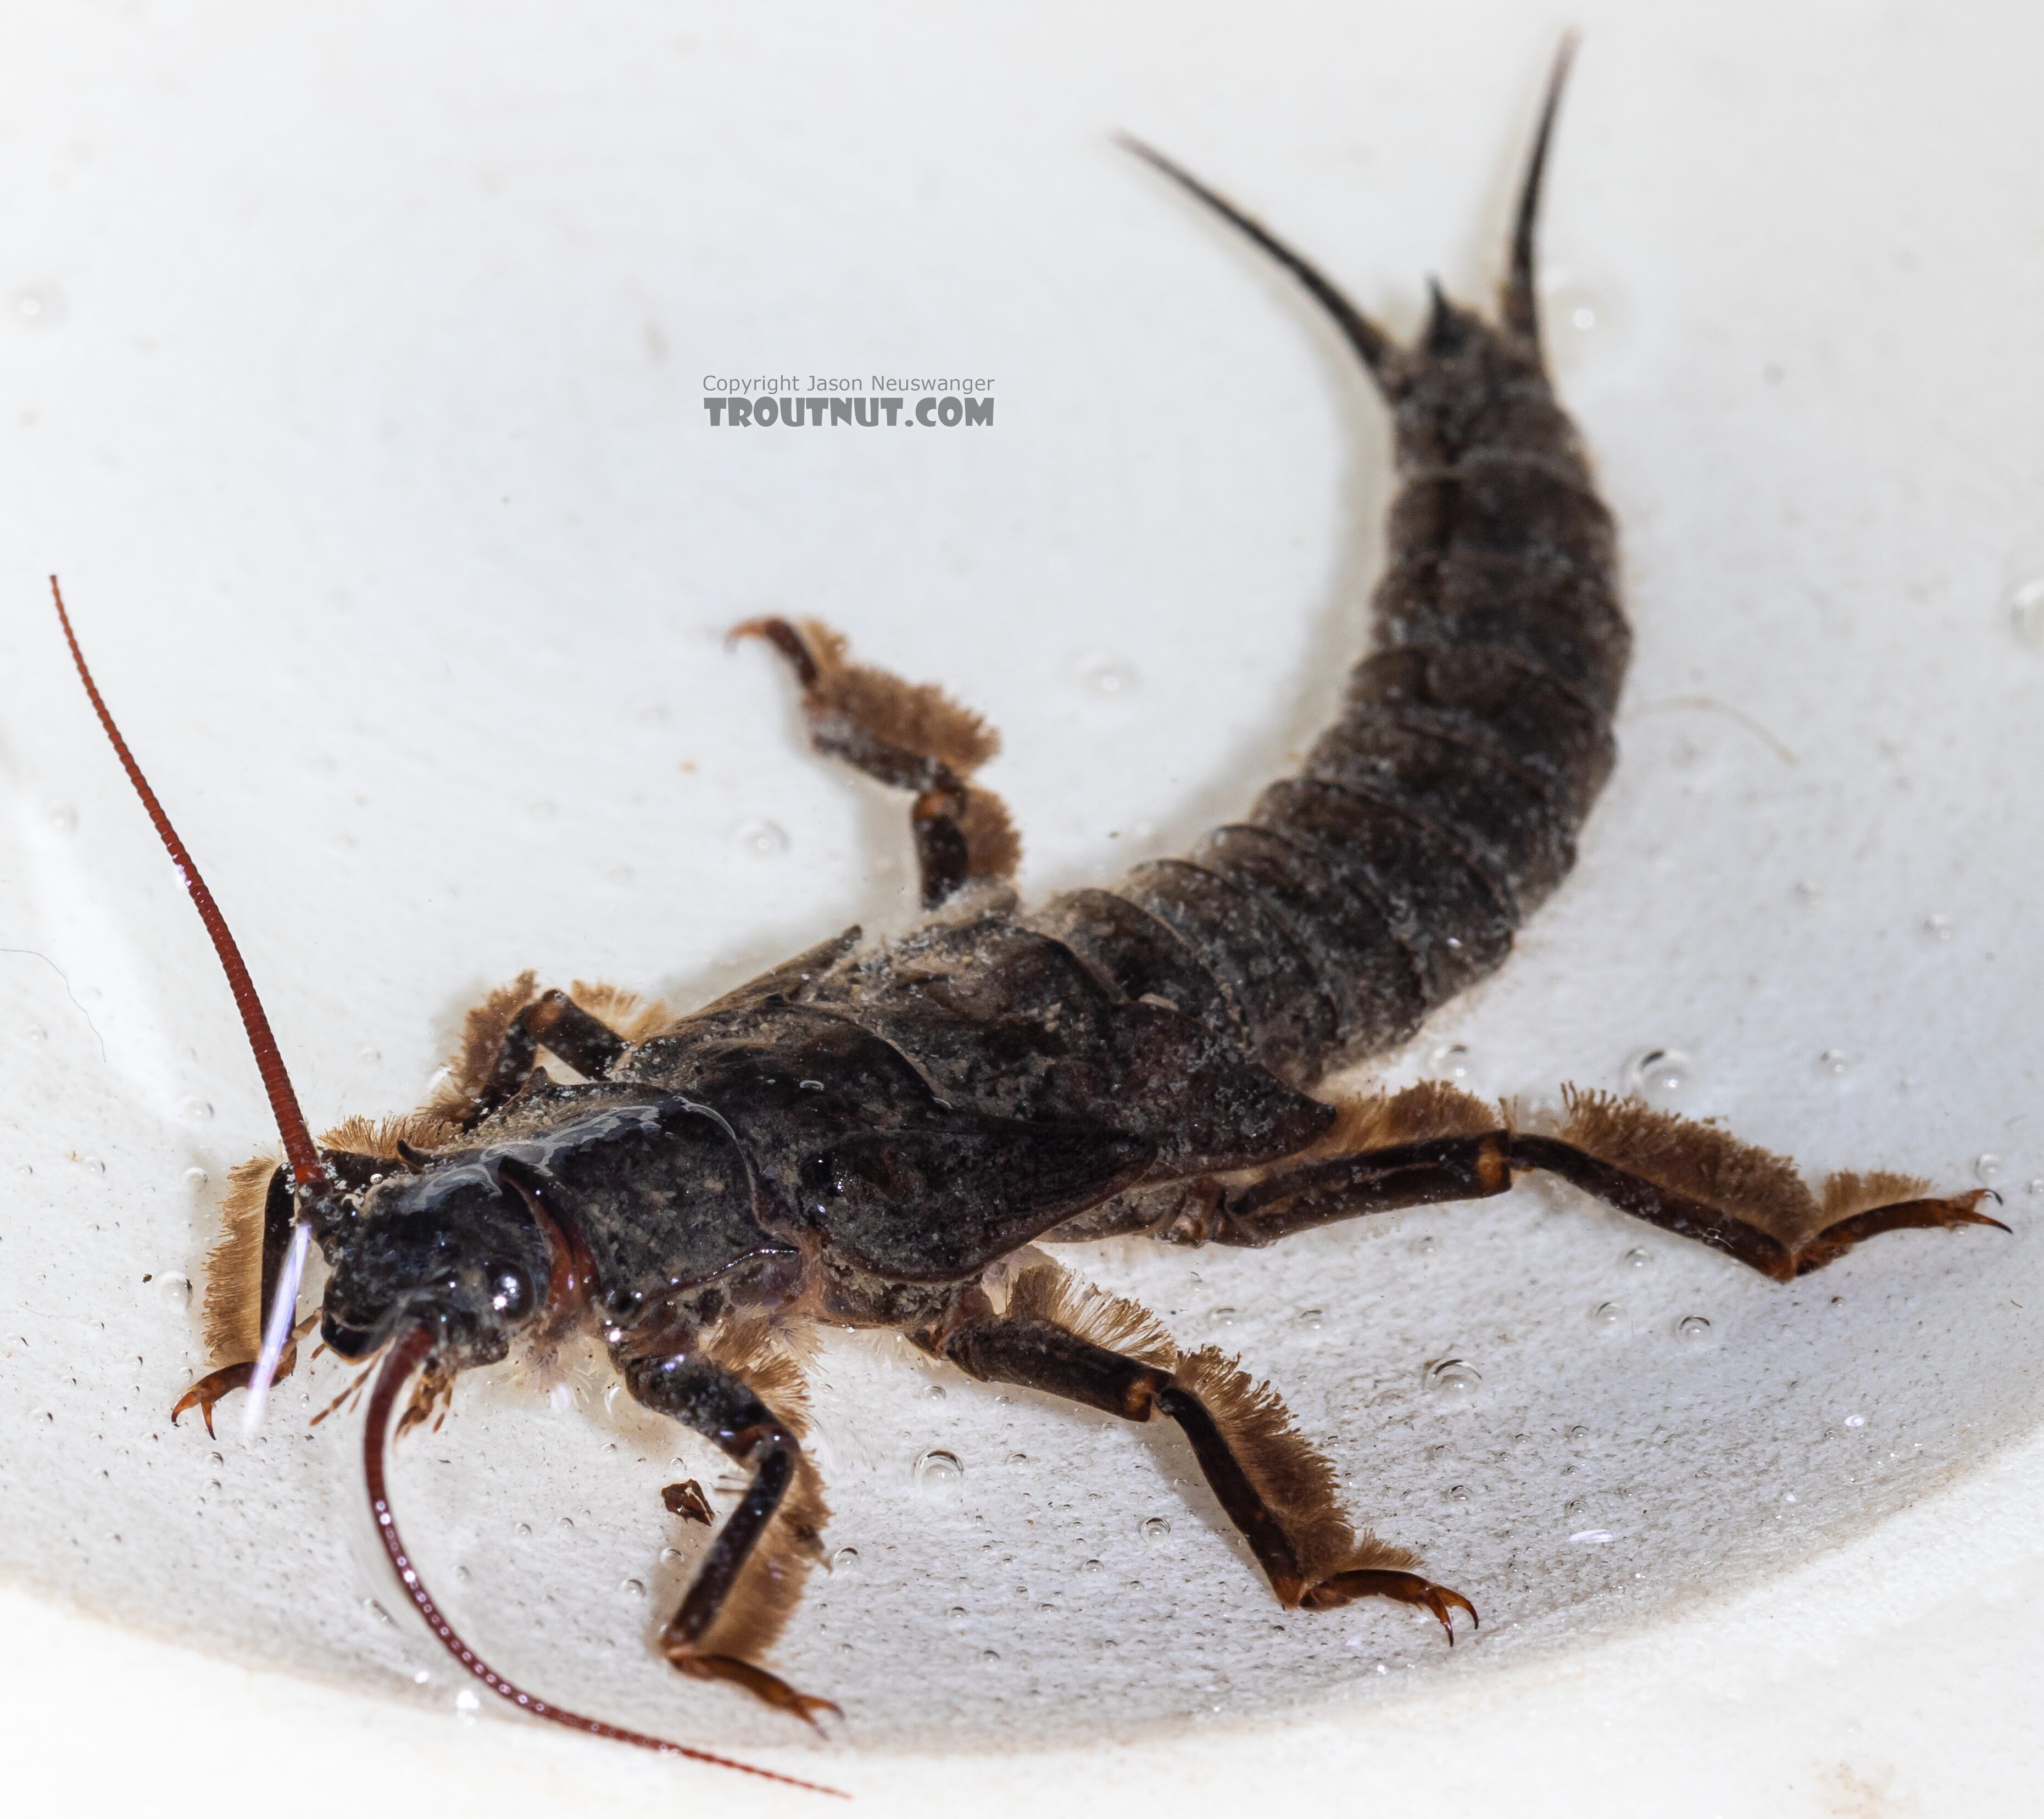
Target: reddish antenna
pixel 404 1357
pixel 306 1168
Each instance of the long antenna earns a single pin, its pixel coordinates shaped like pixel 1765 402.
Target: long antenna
pixel 405 1357
pixel 306 1167
pixel 307 1170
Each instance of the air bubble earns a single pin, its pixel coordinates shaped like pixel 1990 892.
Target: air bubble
pixel 937 1474
pixel 371 1056
pixel 669 1555
pixel 1606 1314
pixel 1664 1077
pixel 759 838
pixel 1592 1537
pixel 35 1033
pixel 1452 1061
pixel 1987 1168
pixel 1310 1318
pixel 1855 1421
pixel 174 1288
pixel 1102 674
pixel 198 1110
pixel 1453 1378
pixel 1093 1566
pixel 1937 927
pixel 1577 1435
pixel 92 1164
pixel 933 1392
pixel 990 1654
pixel 1154 1528
pixel 523 1529
pixel 565 1524
pixel 632 1588
pixel 1636 1258
pixel 2036 1186
pixel 1018 1459
pixel 1222 1317
pixel 1834 1063
pixel 845 1559
pixel 1458 1493
pixel 2025 611
pixel 1692 1326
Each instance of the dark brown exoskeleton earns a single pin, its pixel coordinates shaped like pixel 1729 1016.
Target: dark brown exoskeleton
pixel 880 1133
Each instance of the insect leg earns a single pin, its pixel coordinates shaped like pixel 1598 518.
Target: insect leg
pixel 1688 1178
pixel 750 1580
pixel 1275 1488
pixel 553 1021
pixel 908 735
pixel 239 1290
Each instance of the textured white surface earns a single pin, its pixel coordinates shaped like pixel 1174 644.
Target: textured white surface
pixel 349 369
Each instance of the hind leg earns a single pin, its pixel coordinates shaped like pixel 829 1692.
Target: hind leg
pixel 1433 1144
pixel 1277 1490
pixel 908 735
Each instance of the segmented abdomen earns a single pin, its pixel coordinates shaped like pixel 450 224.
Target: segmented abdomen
pixel 1443 804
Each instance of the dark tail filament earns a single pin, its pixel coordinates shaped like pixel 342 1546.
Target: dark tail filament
pixel 1521 314
pixel 1363 335
pixel 306 1167
pixel 405 1357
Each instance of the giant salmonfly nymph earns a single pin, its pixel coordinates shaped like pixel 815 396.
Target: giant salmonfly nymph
pixel 883 1133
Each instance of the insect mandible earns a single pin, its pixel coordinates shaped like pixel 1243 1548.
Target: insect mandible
pixel 881 1134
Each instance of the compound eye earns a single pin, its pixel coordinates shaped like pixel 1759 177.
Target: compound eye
pixel 344 1340
pixel 511 1294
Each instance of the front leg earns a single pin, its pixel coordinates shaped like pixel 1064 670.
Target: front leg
pixel 750 1581
pixel 553 1021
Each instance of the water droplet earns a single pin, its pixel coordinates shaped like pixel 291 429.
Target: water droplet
pixel 937 1474
pixel 376 1612
pixel 462 1573
pixel 1458 1493
pixel 1592 1537
pixel 1692 1326
pixel 1093 1566
pixel 1787 1496
pixel 1102 674
pixel 542 810
pixel 216 1458
pixel 759 838
pixel 1454 1380
pixel 1452 1061
pixel 467 1703
pixel 1605 1313
pixel 92 1164
pixel 1018 1459
pixel 1664 1077
pixel 1987 1168
pixel 1937 927
pixel 372 1056
pixel 2036 1185
pixel 1223 1317
pixel 933 1392
pixel 24 1169
pixel 1427 1244
pixel 1154 1528
pixel 196 1179
pixel 2025 611
pixel 565 1524
pixel 1577 1435
pixel 174 1288
pixel 1808 891
pixel 845 1559
pixel 63 818
pixel 1855 1421
pixel 35 1033
pixel 632 1588
pixel 1636 1258
pixel 990 1654
pixel 669 1555
pixel 31 309
pixel 196 1111
pixel 1833 1063
pixel 620 875
pixel 956 1614
pixel 523 1529
pixel 1311 1318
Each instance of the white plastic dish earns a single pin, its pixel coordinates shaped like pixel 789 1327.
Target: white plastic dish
pixel 353 365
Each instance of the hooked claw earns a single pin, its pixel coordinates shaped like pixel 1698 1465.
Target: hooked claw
pixel 770 1688
pixel 1406 1587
